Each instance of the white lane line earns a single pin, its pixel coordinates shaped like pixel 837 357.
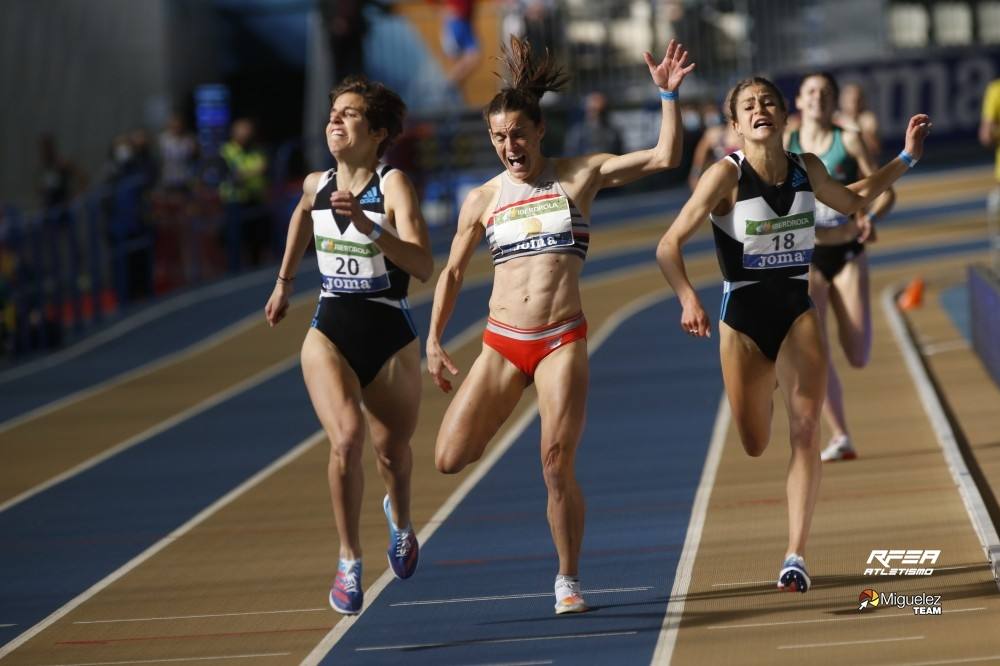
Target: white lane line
pixel 177 659
pixel 974 505
pixel 842 643
pixel 675 607
pixel 860 617
pixel 135 562
pixel 491 641
pixel 744 582
pixel 932 348
pixel 194 410
pixel 198 617
pixel 477 473
pixel 503 597
pixel 5 626
pixel 964 660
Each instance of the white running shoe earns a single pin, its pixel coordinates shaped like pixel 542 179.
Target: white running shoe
pixel 569 599
pixel 839 448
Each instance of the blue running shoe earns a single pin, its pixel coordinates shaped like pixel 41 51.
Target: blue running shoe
pixel 793 576
pixel 346 595
pixel 404 551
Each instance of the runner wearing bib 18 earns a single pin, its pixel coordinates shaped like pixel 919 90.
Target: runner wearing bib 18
pixel 762 202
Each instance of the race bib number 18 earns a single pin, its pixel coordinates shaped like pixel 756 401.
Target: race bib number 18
pixel 779 243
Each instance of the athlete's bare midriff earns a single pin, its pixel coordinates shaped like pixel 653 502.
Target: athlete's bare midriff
pixel 529 292
pixel 845 233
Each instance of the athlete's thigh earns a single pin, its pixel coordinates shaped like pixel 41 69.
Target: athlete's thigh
pixel 749 379
pixel 802 365
pixel 562 381
pixel 332 384
pixel 392 399
pixel 852 302
pixel 482 403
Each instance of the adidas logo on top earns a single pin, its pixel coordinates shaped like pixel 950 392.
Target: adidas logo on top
pixel 371 196
pixel 798 177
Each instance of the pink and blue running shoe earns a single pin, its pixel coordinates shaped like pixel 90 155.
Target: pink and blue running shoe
pixel 346 595
pixel 404 551
pixel 793 576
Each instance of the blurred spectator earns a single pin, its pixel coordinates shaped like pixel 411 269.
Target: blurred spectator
pixel 458 39
pixel 178 152
pixel 594 133
pixel 537 21
pixel 718 140
pixel 346 23
pixel 854 114
pixel 56 174
pixel 243 191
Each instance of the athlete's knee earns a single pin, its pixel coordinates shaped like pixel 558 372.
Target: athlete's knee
pixel 754 444
pixel 393 456
pixel 557 468
pixel 803 429
pixel 450 460
pixel 346 447
pixel 858 356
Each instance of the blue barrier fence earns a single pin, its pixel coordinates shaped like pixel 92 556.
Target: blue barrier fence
pixel 68 269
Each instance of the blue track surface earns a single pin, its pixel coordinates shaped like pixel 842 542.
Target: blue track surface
pixel 638 465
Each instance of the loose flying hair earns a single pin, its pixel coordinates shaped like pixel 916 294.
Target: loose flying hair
pixel 527 81
pixel 754 81
pixel 384 109
pixel 830 79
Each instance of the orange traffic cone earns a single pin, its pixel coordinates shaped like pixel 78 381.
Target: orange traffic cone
pixel 913 296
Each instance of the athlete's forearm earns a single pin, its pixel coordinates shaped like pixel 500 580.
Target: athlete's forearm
pixel 299 235
pixel 445 295
pixel 412 257
pixel 869 188
pixel 671 263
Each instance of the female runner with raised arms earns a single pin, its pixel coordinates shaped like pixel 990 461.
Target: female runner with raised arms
pixel 761 201
pixel 535 216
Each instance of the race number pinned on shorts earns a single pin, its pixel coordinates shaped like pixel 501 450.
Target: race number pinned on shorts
pixel 779 243
pixel 533 225
pixel 351 267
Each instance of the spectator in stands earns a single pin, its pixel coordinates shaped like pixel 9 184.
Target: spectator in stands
pixel 594 133
pixel 458 39
pixel 57 174
pixel 244 193
pixel 855 115
pixel 178 152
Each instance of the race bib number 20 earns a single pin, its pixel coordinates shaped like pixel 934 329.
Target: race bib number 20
pixel 351 267
pixel 779 243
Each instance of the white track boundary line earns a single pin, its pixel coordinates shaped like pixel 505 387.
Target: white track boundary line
pixel 860 617
pixel 198 617
pixel 685 566
pixel 204 514
pixel 486 641
pixel 478 472
pixel 190 412
pixel 973 500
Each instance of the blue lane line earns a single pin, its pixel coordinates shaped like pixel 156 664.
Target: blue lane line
pixel 653 397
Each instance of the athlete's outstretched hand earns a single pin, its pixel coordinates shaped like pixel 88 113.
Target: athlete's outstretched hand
pixel 917 130
pixel 866 229
pixel 343 203
pixel 277 304
pixel 437 361
pixel 694 320
pixel 669 73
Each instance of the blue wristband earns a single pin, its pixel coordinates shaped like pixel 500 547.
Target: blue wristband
pixel 907 159
pixel 375 232
pixel 669 95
